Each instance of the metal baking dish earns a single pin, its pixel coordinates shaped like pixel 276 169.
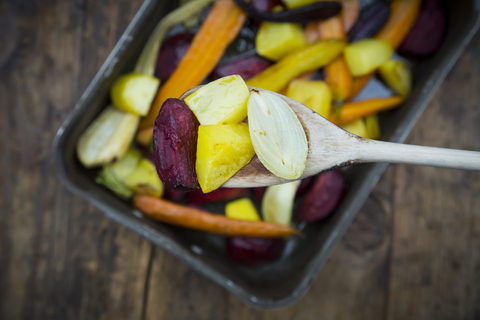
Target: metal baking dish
pixel 286 280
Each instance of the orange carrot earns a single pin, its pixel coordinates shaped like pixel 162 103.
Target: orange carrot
pixel 360 82
pixel 356 110
pixel 403 15
pixel 311 32
pixel 350 13
pixel 222 25
pixel 337 74
pixel 144 136
pixel 182 216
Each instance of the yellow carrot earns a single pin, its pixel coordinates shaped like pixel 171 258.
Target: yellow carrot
pixel 222 25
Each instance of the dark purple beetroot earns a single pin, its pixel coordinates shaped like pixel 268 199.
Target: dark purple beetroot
pixel 221 194
pixel 175 146
pixel 171 53
pixel 305 186
pixel 427 33
pixel 265 5
pixel 370 22
pixel 253 251
pixel 175 196
pixel 246 68
pixel 323 198
pixel 258 193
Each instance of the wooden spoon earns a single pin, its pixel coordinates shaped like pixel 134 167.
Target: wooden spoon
pixel 331 147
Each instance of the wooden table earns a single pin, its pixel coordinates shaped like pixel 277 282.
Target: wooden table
pixel 412 253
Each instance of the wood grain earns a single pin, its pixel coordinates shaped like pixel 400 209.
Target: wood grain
pixel 413 252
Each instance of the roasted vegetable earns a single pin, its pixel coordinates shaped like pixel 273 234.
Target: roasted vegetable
pixel 403 15
pixel 144 180
pixel 359 83
pixel 245 68
pixel 265 5
pixel 305 186
pixel 312 57
pixel 223 101
pixel 314 94
pixel 277 135
pixel 253 251
pixel 171 54
pixel 197 197
pixel 371 21
pixel 372 126
pixel 107 138
pixel 186 217
pixel 219 29
pixel 350 13
pixel 242 209
pixel 313 12
pixel 356 110
pixel 175 146
pixel 134 92
pixel 323 198
pixel 277 203
pixel 275 40
pixel 427 33
pixel 357 127
pixel 144 137
pixel 397 76
pixel 222 150
pixel 367 55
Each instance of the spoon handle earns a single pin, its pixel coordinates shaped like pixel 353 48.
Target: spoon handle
pixel 378 151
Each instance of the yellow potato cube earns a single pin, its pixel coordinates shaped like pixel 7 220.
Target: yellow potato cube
pixel 242 209
pixel 276 40
pixel 397 76
pixel 134 92
pixel 314 94
pixel 372 126
pixel 367 55
pixel 222 150
pixel 356 127
pixel 223 101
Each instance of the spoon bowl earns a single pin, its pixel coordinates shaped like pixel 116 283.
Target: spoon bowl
pixel 330 147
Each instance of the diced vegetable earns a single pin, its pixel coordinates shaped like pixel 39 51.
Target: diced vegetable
pixel 427 33
pixel 373 127
pixel 305 186
pixel 403 15
pixel 350 13
pixel 186 217
pixel 397 76
pixel 370 22
pixel 134 92
pixel 276 40
pixel 223 101
pixel 222 150
pixel 107 138
pixel 291 4
pixel 171 54
pixel 277 203
pixel 113 174
pixel 245 68
pixel 197 197
pixel 356 127
pixel 356 110
pixel 253 251
pixel 312 57
pixel 324 197
pixel 258 193
pixel 314 94
pixel 367 55
pixel 175 146
pixel 242 209
pixel 144 180
pixel 277 135
pixel 219 29
pixel 337 75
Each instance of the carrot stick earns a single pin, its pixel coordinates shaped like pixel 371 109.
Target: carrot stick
pixel 356 110
pixel 350 13
pixel 144 136
pixel 360 82
pixel 222 25
pixel 337 74
pixel 179 215
pixel 403 15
